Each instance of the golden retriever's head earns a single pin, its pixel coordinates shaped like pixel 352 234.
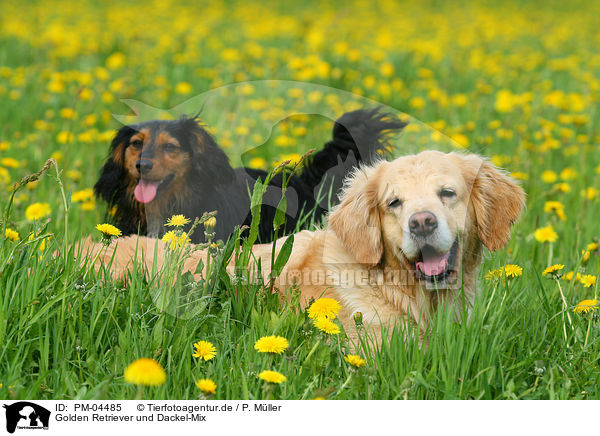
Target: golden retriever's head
pixel 429 211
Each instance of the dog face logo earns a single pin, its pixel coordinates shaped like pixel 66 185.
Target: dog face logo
pixel 26 415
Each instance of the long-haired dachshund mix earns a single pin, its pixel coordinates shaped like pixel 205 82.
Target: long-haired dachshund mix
pixel 157 169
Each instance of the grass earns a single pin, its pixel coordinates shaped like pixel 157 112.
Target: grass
pixel 493 78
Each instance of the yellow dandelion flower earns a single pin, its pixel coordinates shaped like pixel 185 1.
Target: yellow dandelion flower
pixel 592 246
pixel 82 196
pixel 88 205
pixel 355 360
pixel 590 193
pixel 9 162
pixel 588 280
pixel 462 141
pixel 4 175
pixel 493 274
pixel 64 137
pixel 183 88
pixel 553 269
pixel 175 240
pixel 586 255
pixel 586 306
pixel 272 376
pixel 204 350
pixel 569 276
pixel 115 60
pixel 545 234
pixel 520 175
pixel 170 236
pixel 549 176
pixel 386 69
pixel 556 207
pixel 326 325
pixel 568 174
pixel 108 230
pixel 562 187
pixel 299 131
pixel 505 101
pixel 513 271
pixel 11 234
pixel 37 211
pixel 293 158
pixel 271 344
pixel 57 156
pixel 242 130
pixel 417 102
pixel 67 113
pixel 144 371
pixel 324 307
pixel 257 162
pixel 177 221
pixel 207 386
pixel 74 175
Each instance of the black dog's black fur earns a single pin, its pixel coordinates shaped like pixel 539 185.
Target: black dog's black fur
pixel 212 184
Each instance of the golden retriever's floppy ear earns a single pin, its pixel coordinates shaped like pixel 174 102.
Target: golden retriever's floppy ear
pixel 356 219
pixel 496 197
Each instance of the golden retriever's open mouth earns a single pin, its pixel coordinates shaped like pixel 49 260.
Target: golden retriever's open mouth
pixel 146 190
pixel 433 266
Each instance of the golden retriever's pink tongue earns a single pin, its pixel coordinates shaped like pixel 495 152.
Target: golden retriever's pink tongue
pixel 433 265
pixel 145 191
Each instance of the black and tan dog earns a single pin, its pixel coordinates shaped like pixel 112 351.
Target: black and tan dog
pixel 157 169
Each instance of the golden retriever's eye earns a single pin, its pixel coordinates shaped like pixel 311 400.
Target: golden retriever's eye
pixel 395 203
pixel 137 144
pixel 171 148
pixel 447 193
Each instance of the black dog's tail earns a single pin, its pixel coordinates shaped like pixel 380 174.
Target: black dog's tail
pixel 357 138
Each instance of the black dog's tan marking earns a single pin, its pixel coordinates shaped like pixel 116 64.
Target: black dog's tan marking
pixel 160 168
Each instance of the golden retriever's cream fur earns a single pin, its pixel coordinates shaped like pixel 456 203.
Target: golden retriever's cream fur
pixel 377 256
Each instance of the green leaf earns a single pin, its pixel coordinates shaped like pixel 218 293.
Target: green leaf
pixel 283 257
pixel 157 334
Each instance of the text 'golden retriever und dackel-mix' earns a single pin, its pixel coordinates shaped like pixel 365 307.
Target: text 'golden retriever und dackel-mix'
pixel 407 235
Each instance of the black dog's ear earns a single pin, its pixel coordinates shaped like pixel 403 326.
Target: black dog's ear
pixel 112 176
pixel 209 161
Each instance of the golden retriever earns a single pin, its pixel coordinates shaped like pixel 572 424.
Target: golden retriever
pixel 406 236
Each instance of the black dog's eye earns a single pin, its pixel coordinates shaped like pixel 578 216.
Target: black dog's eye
pixel 171 148
pixel 447 193
pixel 395 203
pixel 137 143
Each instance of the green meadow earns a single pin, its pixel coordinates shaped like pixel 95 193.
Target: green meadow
pixel 517 83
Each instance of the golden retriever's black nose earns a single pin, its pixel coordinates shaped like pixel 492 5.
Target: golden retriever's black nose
pixel 143 165
pixel 422 223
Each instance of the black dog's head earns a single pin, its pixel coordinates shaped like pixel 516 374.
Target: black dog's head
pixel 157 162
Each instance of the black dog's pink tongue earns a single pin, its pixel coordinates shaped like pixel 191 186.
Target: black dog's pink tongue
pixel 145 191
pixel 433 264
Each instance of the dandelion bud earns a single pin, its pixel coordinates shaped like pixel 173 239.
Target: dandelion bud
pixel 358 319
pixel 210 223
